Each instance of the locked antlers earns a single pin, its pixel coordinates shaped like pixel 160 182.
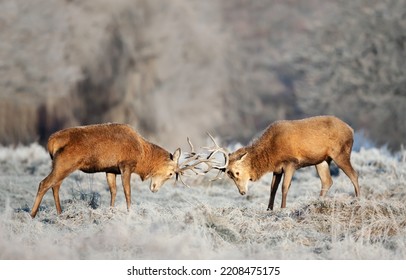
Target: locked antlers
pixel 201 163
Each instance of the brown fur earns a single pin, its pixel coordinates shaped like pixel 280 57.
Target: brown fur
pixel 111 148
pixel 286 146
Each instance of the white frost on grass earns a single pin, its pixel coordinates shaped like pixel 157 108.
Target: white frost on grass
pixel 207 221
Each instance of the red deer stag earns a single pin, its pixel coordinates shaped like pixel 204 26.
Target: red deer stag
pixel 111 148
pixel 286 146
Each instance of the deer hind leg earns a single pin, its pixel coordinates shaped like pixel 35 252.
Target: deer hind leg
pixel 274 187
pixel 45 185
pixel 54 181
pixel 344 163
pixel 323 169
pixel 55 191
pixel 111 181
pixel 287 179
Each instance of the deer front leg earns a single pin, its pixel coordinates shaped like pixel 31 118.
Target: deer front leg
pixel 111 181
pixel 287 178
pixel 274 187
pixel 323 169
pixel 126 178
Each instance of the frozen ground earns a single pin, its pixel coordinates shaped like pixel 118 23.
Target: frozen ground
pixel 207 221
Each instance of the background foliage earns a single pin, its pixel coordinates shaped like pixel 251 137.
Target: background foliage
pixel 180 68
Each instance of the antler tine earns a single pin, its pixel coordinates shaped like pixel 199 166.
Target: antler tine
pixel 181 180
pixel 195 166
pixel 194 161
pixel 217 176
pixel 217 149
pixel 192 149
pixel 191 156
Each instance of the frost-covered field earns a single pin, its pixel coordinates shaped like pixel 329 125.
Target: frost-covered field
pixel 207 221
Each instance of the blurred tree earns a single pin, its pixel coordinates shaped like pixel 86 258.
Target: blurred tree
pixel 181 68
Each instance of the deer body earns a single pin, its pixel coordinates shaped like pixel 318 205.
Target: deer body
pixel 286 146
pixel 110 148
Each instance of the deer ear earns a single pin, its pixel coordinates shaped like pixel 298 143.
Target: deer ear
pixel 176 155
pixel 242 156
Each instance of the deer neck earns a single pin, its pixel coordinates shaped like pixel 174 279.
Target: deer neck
pixel 153 157
pixel 261 161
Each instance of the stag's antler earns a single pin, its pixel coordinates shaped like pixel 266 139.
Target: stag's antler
pixel 213 151
pixel 194 161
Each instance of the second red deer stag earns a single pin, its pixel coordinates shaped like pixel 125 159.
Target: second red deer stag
pixel 110 148
pixel 286 146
